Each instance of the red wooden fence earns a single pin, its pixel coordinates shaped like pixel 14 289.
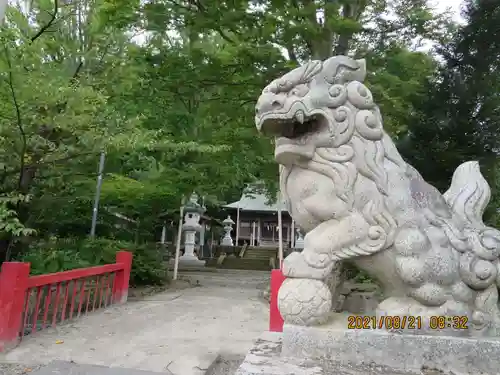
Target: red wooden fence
pixel 275 319
pixel 29 304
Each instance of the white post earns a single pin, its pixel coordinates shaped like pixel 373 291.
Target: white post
pixel 253 234
pixel 212 245
pixel 3 10
pixel 178 244
pixel 259 234
pixel 97 195
pixel 292 235
pixel 280 236
pixel 237 224
pixel 163 233
pixel 163 239
pixel 202 241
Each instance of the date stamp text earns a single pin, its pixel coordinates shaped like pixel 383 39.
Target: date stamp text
pixel 390 322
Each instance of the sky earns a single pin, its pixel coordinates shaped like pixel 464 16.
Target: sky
pixel 453 5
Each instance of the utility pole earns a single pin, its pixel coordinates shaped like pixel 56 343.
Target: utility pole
pixel 179 238
pixel 97 193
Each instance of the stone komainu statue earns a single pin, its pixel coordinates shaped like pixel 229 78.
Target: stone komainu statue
pixel 356 198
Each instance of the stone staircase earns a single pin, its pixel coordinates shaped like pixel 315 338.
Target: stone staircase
pixel 233 263
pixel 240 279
pixel 260 253
pixel 248 258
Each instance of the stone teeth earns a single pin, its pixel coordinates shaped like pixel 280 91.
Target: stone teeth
pixel 299 115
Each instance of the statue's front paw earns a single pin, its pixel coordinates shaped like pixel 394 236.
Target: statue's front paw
pixel 304 302
pixel 296 265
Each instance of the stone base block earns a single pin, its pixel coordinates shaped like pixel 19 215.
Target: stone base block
pixel 188 263
pixel 265 358
pixel 333 350
pixel 406 353
pixel 190 258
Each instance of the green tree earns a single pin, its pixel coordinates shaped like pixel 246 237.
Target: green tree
pixel 304 28
pixel 57 110
pixel 460 116
pixel 256 41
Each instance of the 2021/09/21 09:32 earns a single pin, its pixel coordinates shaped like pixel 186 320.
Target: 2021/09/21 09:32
pixel 406 322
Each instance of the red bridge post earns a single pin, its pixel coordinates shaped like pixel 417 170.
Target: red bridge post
pixel 122 278
pixel 13 285
pixel 275 319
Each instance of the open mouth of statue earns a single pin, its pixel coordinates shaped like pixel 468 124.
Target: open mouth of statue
pixel 293 135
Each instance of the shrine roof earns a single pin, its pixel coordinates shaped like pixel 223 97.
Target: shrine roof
pixel 257 202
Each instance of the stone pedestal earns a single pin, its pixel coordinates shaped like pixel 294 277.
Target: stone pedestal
pixel 189 244
pixel 333 349
pixel 189 258
pixel 190 262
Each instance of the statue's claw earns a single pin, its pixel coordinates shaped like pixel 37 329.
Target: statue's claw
pixel 296 266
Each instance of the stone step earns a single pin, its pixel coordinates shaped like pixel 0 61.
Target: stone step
pixel 189 268
pixel 256 256
pixel 259 254
pixel 241 264
pixel 260 251
pixel 260 280
pixel 266 358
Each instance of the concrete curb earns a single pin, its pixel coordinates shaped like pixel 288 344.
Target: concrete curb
pixel 71 368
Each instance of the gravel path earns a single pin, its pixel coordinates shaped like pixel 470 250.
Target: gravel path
pixel 181 331
pixel 16 369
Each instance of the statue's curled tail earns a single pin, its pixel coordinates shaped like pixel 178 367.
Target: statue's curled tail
pixel 469 194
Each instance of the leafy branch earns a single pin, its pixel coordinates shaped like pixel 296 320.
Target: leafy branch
pixel 45 27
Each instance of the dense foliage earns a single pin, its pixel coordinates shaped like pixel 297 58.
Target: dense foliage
pixel 56 255
pixel 166 89
pixel 459 116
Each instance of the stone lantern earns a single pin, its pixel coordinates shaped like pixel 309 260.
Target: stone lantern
pixel 228 227
pixel 192 215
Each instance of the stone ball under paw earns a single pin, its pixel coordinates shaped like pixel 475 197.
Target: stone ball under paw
pixel 304 302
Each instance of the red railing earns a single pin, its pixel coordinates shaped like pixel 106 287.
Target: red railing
pixel 29 304
pixel 275 319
